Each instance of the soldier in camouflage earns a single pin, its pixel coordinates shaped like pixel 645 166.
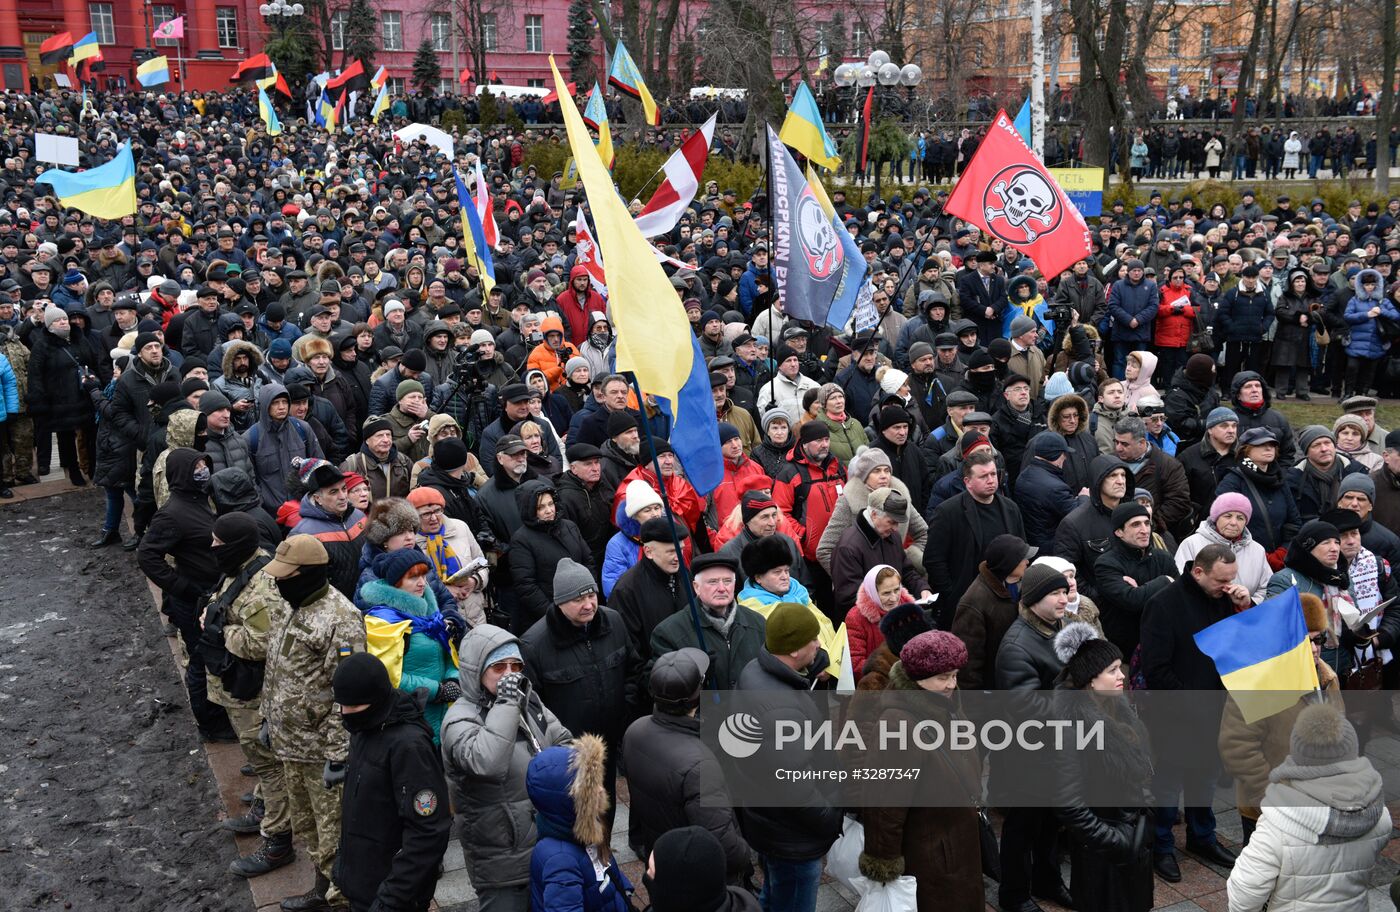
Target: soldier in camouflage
pixel 240 611
pixel 319 629
pixel 17 434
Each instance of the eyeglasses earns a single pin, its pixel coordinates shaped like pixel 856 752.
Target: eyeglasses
pixel 1318 640
pixel 430 511
pixel 509 665
pixel 717 583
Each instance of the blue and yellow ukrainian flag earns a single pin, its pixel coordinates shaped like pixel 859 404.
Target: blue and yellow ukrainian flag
pixel 1263 655
pixel 595 114
pixel 381 102
pixel 269 114
pixel 85 48
pixel 802 130
pixel 627 78
pixel 477 251
pixel 154 72
pixel 107 191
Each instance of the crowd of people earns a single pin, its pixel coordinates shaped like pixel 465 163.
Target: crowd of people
pixel 436 567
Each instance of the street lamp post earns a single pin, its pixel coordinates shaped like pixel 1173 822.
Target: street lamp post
pixel 280 16
pixel 878 72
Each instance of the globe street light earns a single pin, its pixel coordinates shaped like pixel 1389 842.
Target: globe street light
pixel 877 72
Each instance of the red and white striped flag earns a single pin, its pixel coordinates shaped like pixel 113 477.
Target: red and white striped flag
pixel 683 170
pixel 589 256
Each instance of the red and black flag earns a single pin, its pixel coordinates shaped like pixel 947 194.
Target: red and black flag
pixel 865 130
pixel 351 79
pixel 57 49
pixel 256 67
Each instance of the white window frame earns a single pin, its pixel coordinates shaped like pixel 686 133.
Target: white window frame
pixel 440 29
pixel 490 32
pixel 226 26
pixel 391 30
pixel 339 19
pixel 103 23
pixel 534 33
pixel 161 14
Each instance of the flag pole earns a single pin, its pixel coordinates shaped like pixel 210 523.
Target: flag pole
pixel 684 571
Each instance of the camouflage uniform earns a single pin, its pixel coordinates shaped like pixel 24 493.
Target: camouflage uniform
pixel 305 648
pixel 17 434
pixel 246 626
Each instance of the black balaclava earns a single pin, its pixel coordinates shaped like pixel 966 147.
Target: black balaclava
pixel 359 681
pixel 239 534
pixel 690 871
pixel 309 581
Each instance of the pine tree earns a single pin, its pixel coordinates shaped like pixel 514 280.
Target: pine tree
pixel 582 67
pixel 427 72
pixel 362 34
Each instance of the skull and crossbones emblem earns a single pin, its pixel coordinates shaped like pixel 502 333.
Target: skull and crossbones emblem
pixel 1025 196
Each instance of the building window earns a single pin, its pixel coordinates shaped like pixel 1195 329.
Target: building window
pixel 488 31
pixel 822 48
pixel 338 20
pixel 226 21
pixel 534 33
pixel 535 83
pixel 444 85
pixel 1174 43
pixel 441 24
pixel 100 15
pixel 858 39
pixel 393 31
pixel 1207 36
pixel 782 43
pixel 395 85
pixel 1073 47
pixel 159 16
pixel 1025 45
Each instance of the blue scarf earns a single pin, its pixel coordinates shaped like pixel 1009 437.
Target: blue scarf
pixel 433 626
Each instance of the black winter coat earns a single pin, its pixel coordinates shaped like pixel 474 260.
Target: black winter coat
pixel 395 820
pixel 1187 406
pixel 675 781
pixel 589 508
pixel 233 491
pixel 1012 433
pixel 182 529
pixel 644 596
pixel 1121 605
pixel 587 676
pixel 536 549
pixel 957 544
pixel 56 399
pixel 1204 468
pixel 1265 416
pixel 1045 500
pixel 1087 531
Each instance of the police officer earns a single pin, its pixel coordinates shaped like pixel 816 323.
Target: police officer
pixel 316 629
pixel 396 821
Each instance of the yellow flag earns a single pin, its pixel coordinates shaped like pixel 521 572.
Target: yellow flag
pixel 653 335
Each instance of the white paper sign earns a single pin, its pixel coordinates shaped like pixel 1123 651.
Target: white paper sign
pixel 60 150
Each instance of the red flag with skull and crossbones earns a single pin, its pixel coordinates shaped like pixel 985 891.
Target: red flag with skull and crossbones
pixel 1006 191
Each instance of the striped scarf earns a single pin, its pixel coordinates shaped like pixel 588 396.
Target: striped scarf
pixel 440 552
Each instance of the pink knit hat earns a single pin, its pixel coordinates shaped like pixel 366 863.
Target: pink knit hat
pixel 932 653
pixel 1231 501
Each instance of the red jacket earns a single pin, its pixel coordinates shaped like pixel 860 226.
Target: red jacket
pixel 808 493
pixel 1172 330
pixel 685 500
pixel 731 489
pixel 576 313
pixel 863 627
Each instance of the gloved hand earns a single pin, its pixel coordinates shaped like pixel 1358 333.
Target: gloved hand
pixel 91 383
pixel 449 691
pixel 1276 558
pixel 265 735
pixel 333 774
pixel 1118 841
pixel 512 687
pixel 456 626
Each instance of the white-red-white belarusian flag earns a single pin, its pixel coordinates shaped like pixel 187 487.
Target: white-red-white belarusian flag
pixel 587 255
pixel 682 170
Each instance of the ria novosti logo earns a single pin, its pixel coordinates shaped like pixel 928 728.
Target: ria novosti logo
pixel 740 735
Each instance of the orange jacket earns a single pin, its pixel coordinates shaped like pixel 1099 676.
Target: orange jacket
pixel 548 360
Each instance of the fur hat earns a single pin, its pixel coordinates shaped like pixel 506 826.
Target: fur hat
pixel 1314 612
pixel 315 345
pixel 1084 653
pixel 932 653
pixel 764 554
pixel 790 626
pixel 902 623
pixel 389 517
pixel 1322 736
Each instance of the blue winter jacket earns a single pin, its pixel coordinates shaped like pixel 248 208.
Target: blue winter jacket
pixel 9 390
pixel 561 873
pixel 1128 302
pixel 623 549
pixel 1366 341
pixel 1243 316
pixel 748 287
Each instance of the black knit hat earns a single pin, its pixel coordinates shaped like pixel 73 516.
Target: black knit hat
pixel 1126 511
pixel 374 424
pixel 1084 653
pixel 620 422
pixel 902 623
pixel 690 872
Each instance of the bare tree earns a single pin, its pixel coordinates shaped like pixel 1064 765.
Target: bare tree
pixel 480 27
pixel 955 28
pixel 1385 111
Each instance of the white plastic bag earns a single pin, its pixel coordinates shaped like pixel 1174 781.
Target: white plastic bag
pixel 899 895
pixel 843 859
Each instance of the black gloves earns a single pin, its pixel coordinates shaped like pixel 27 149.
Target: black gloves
pixel 449 691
